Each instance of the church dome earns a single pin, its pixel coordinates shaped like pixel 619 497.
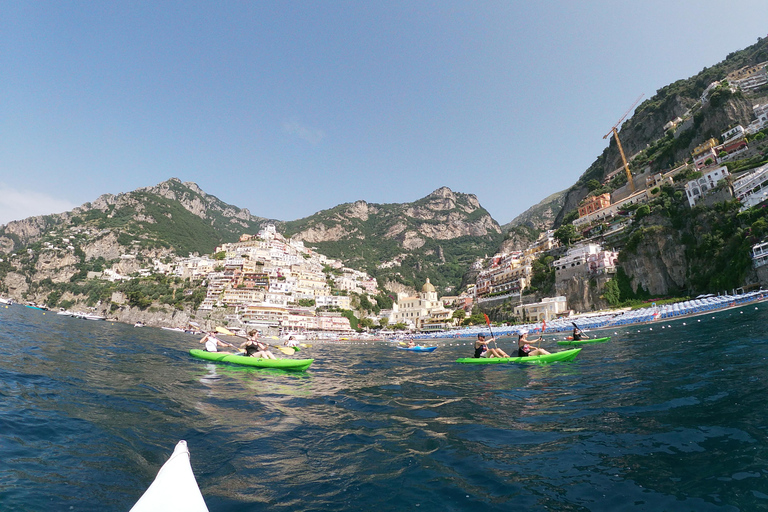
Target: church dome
pixel 427 288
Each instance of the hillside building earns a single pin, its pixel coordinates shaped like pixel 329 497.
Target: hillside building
pixel 749 77
pixel 760 254
pixel 752 188
pixel 594 203
pixel 583 260
pixel 418 310
pixel 698 188
pixel 548 309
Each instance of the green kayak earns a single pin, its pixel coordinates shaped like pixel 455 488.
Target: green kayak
pixel 565 355
pixel 585 341
pixel 298 365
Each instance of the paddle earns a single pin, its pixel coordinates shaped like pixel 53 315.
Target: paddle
pixel 488 321
pixel 289 351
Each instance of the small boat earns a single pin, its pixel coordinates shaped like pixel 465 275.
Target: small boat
pixel 36 306
pixel 298 365
pixel 65 312
pixel 418 349
pixel 585 341
pixel 6 301
pixel 139 324
pixel 174 488
pixel 565 355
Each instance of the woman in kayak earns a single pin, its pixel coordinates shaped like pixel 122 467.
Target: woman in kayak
pixel 254 348
pixel 483 350
pixel 524 349
pixel 578 334
pixel 212 342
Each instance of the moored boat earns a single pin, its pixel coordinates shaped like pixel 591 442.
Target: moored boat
pixel 565 355
pixel 227 357
pixel 174 487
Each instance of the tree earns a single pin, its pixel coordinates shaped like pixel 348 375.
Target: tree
pixel 593 185
pixel 459 315
pixel 383 322
pixel 365 323
pixel 565 233
pixel 642 211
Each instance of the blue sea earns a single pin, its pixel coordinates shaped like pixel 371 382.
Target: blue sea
pixel 665 417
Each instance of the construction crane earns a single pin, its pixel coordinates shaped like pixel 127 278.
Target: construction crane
pixel 615 133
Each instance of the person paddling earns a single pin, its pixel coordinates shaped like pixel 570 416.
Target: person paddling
pixel 578 334
pixel 483 350
pixel 254 348
pixel 524 349
pixel 212 342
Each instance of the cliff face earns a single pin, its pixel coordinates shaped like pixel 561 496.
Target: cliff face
pixel 582 293
pixel 659 264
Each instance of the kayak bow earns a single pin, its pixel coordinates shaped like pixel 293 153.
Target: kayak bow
pixel 174 488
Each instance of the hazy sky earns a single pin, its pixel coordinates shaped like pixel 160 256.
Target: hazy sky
pixel 287 108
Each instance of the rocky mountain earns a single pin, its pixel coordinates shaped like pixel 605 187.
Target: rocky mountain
pixel 438 236
pixel 171 217
pixel 644 139
pixel 526 227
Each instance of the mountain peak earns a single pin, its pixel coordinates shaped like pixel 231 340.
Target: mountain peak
pixel 443 192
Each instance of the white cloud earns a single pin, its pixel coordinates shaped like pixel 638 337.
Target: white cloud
pixel 311 135
pixel 20 204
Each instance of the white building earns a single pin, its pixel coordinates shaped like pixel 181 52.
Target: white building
pixel 334 301
pixel 761 119
pixel 760 254
pixel 547 309
pixel 698 188
pixel 752 188
pixel 575 261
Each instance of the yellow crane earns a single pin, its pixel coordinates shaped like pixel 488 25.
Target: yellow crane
pixel 615 133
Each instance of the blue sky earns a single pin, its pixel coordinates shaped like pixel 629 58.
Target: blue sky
pixel 288 108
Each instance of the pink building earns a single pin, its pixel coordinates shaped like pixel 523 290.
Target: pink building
pixel 602 262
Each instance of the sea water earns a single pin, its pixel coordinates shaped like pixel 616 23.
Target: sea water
pixel 668 416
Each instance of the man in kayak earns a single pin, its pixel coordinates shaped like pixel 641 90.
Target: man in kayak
pixel 411 343
pixel 524 349
pixel 254 348
pixel 212 342
pixel 483 350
